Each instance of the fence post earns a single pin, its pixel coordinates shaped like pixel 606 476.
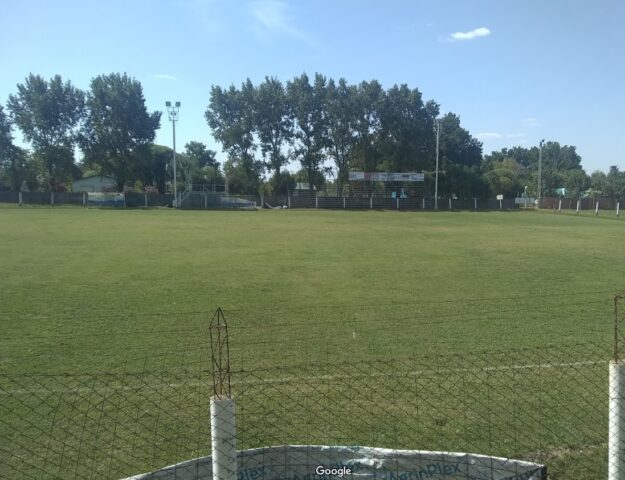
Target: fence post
pixel 616 431
pixel 423 203
pixel 223 439
pixel 316 201
pixel 578 205
pixel 343 202
pixel 500 205
pixel 19 199
pixel 52 199
pixel 597 208
pixel 618 209
pixel 559 205
pixel 206 200
pixel 84 199
pixel 371 203
pixel 289 201
pixel 449 203
pixel 397 203
pixel 475 203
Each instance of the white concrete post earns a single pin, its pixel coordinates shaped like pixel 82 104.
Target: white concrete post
pixel 618 209
pixel 500 205
pixel 475 203
pixel 449 203
pixel 578 204
pixel 289 201
pixel 52 198
pixel 616 422
pixel 84 199
pixel 597 208
pixel 397 203
pixel 343 202
pixel 316 201
pixel 423 203
pixel 223 439
pixel 19 199
pixel 559 205
pixel 371 203
pixel 206 200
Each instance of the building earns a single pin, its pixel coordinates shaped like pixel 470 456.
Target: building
pixel 95 183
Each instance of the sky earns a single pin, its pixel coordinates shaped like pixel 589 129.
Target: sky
pixel 514 71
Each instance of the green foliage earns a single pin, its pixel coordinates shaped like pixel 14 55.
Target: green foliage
pixel 117 123
pixel 48 113
pixel 308 103
pixel 231 116
pixel 406 134
pixel 273 123
pixel 200 154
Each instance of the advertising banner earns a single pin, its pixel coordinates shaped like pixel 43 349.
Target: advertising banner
pixel 314 462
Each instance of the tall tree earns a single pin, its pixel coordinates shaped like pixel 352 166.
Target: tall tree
pixel 407 127
pixel 343 115
pixel 274 124
pixel 117 123
pixel 48 114
pixel 231 116
pixel 311 131
pixel 456 143
pixel 16 166
pixel 371 97
pixel 200 154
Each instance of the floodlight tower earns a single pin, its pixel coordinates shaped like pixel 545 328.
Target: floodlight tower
pixel 438 136
pixel 173 116
pixel 540 164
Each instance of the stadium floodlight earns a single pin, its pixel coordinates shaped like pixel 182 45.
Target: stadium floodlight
pixel 438 136
pixel 540 162
pixel 173 116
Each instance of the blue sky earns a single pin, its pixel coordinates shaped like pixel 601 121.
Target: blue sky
pixel 515 71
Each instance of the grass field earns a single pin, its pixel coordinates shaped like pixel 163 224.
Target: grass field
pixel 85 291
pixel 90 290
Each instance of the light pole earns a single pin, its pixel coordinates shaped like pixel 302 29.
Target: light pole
pixel 173 116
pixel 438 136
pixel 540 164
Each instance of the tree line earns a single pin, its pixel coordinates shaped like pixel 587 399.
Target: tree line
pixel 325 127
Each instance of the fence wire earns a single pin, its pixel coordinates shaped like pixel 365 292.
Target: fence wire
pixel 547 405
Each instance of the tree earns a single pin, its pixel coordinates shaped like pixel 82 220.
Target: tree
pixel 615 183
pixel 274 124
pixel 505 177
pixel 117 123
pixel 599 183
pixel 231 116
pixel 311 132
pixel 16 167
pixel 343 112
pixel 200 154
pixel 369 105
pixel 457 146
pixel 48 114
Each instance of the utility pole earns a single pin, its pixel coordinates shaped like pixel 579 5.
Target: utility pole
pixel 540 164
pixel 438 136
pixel 173 116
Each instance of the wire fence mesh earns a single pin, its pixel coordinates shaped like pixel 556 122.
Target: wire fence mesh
pixel 544 405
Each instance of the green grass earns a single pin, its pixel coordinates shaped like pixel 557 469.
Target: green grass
pixel 85 291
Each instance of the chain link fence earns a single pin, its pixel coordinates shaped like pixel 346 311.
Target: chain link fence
pixel 547 405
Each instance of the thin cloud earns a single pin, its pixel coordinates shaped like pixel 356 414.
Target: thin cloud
pixel 273 17
pixel 470 35
pixel 530 122
pixel 164 76
pixel 488 135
